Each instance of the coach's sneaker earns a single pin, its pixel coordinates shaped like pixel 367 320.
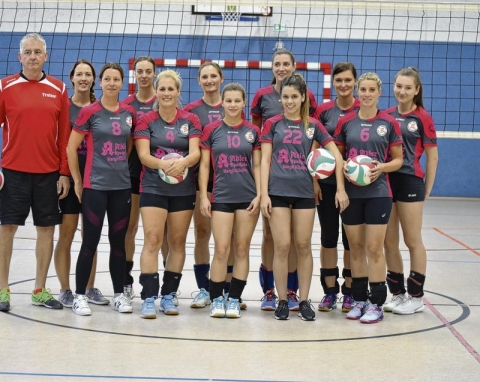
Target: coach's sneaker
pixel 66 298
pixel 4 300
pixel 282 312
pixel 232 308
pixel 217 309
pixel 121 303
pixel 80 305
pixel 328 303
pixel 45 298
pixel 357 311
pixel 306 312
pixel 96 297
pixel 128 291
pixel 347 303
pixel 372 315
pixel 269 301
pixel 410 306
pixel 167 306
pixel 148 308
pixel 292 299
pixel 396 300
pixel 201 299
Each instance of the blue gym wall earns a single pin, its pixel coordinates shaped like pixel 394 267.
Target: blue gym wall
pixel 448 71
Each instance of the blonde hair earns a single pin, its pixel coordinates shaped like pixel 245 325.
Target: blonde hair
pixel 175 76
pixel 370 76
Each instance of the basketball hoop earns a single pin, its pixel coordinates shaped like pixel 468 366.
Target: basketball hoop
pixel 231 17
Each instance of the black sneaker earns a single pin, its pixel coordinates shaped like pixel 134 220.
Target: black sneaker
pixel 306 312
pixel 282 312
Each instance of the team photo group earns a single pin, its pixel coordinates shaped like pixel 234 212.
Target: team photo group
pixel 72 157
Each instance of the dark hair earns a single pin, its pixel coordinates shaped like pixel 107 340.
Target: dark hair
pixel 72 73
pixel 297 82
pixel 279 52
pixel 413 72
pixel 344 67
pixel 234 86
pixel 111 65
pixel 144 58
pixel 210 63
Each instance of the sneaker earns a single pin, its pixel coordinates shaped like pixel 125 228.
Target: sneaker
pixel 80 305
pixel 175 298
pixel 292 299
pixel 232 308
pixel 282 312
pixel 167 305
pixel 128 291
pixel 410 306
pixel 45 298
pixel 328 303
pixel 372 315
pixel 347 303
pixel 357 311
pixel 269 301
pixel 96 297
pixel 66 298
pixel 306 312
pixel 122 304
pixel 4 300
pixel 396 300
pixel 148 308
pixel 201 299
pixel 243 304
pixel 217 309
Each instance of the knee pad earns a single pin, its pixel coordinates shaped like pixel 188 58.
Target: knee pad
pixel 346 273
pixel 292 281
pixel 326 272
pixel 360 288
pixel 266 279
pixel 151 285
pixel 229 268
pixel 201 271
pixel 415 284
pixel 378 293
pixel 395 282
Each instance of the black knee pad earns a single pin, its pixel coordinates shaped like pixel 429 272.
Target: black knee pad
pixel 360 288
pixel 151 285
pixel 326 272
pixel 346 273
pixel 378 293
pixel 415 283
pixel 395 282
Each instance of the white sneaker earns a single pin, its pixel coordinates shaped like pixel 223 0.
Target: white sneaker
pixel 80 305
pixel 396 300
pixel 201 299
pixel 217 309
pixel 128 291
pixel 122 304
pixel 175 298
pixel 232 308
pixel 410 306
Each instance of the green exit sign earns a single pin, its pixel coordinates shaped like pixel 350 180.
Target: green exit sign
pixel 279 27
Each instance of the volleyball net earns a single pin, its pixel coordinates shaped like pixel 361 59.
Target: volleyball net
pixel 441 39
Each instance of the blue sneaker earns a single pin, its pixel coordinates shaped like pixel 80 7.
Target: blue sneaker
pixel 269 301
pixel 201 299
pixel 292 299
pixel 217 309
pixel 232 308
pixel 167 305
pixel 148 308
pixel 328 303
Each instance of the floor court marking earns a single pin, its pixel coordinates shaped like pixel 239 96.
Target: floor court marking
pixel 456 241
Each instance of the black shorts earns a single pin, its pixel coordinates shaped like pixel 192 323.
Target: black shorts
pixel 135 185
pixel 22 191
pixel 169 203
pixel 229 207
pixel 294 203
pixel 407 188
pixel 70 205
pixel 367 211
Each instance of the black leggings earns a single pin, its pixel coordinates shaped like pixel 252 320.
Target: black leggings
pixel 94 206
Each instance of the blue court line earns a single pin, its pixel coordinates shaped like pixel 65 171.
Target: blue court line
pixel 116 377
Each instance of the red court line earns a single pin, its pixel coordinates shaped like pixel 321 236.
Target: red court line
pixel 457 335
pixel 456 241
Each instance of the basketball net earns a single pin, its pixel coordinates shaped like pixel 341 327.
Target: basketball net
pixel 231 17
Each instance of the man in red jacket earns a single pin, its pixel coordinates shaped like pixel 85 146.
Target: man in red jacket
pixel 35 116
